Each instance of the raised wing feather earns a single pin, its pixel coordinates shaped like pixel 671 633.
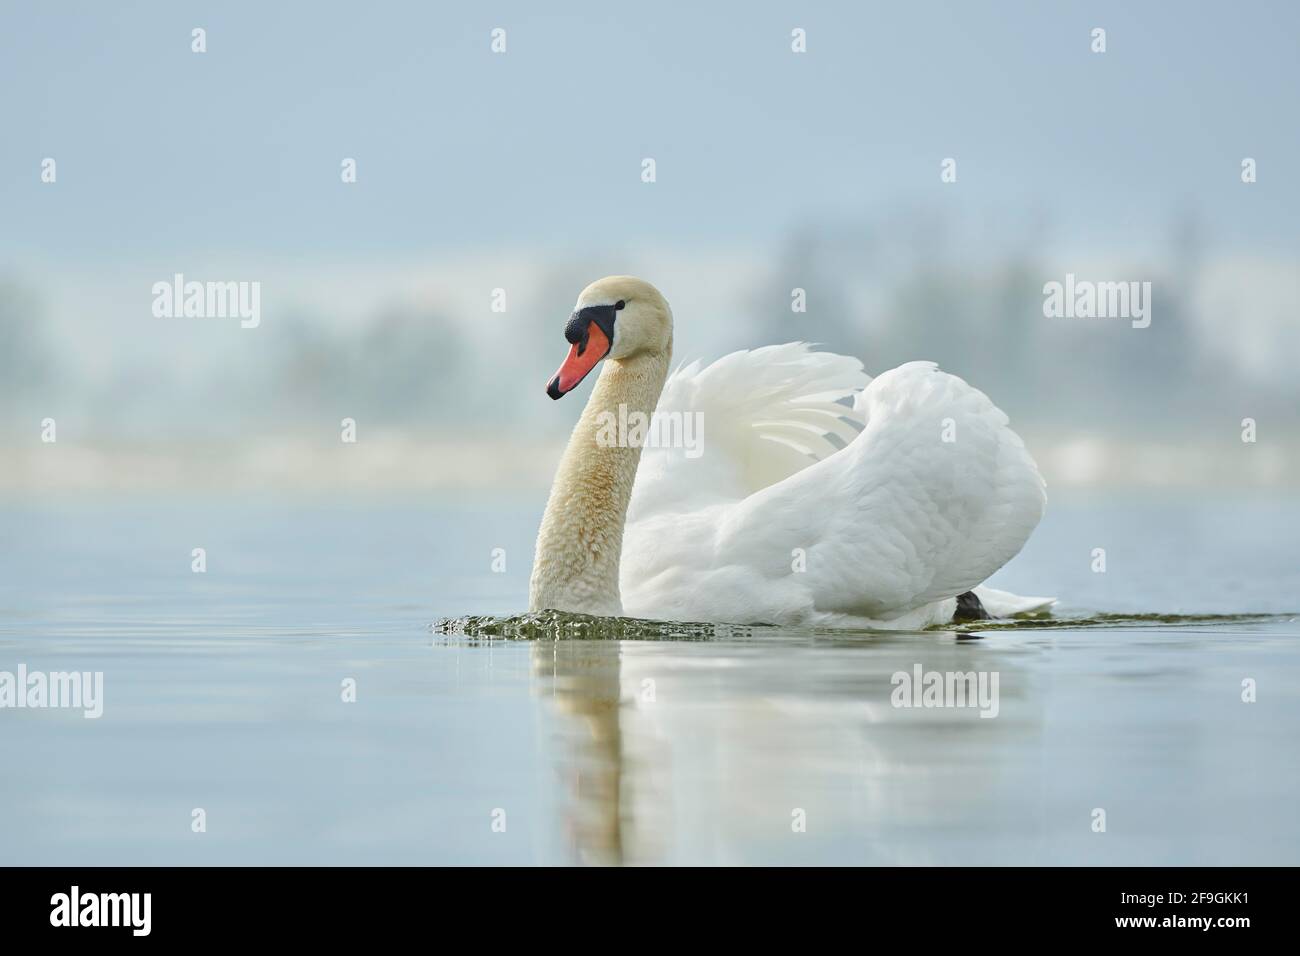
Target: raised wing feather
pixel 763 414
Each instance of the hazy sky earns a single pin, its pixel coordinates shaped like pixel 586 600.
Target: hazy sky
pixel 163 153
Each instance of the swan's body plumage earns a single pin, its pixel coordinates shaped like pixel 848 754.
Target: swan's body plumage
pixel 811 494
pixel 807 463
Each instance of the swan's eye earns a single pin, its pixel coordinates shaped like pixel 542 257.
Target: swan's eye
pixel 618 306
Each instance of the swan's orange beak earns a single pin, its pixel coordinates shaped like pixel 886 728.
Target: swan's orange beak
pixel 593 346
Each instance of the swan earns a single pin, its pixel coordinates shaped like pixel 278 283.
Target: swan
pixel 816 494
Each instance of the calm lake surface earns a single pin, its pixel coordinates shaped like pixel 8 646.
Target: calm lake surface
pixel 223 691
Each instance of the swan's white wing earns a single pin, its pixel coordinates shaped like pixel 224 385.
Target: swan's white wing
pixel 755 417
pixel 899 519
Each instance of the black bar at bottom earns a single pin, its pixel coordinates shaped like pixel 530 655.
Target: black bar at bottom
pixel 335 905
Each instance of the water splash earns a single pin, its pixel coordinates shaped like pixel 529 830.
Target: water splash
pixel 563 626
pixel 1103 620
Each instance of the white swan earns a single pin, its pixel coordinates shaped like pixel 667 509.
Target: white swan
pixel 817 495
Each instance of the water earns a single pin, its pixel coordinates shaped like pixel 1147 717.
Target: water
pixel 222 691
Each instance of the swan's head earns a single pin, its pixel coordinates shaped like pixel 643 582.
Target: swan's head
pixel 620 317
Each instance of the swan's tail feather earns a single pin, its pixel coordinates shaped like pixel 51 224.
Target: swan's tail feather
pixel 1005 604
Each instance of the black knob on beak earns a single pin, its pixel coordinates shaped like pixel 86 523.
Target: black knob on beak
pixel 575 331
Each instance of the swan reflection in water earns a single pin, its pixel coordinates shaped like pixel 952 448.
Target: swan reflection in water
pixel 582 678
pixel 673 752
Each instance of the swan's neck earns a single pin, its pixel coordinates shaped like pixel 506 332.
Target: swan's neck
pixel 581 537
